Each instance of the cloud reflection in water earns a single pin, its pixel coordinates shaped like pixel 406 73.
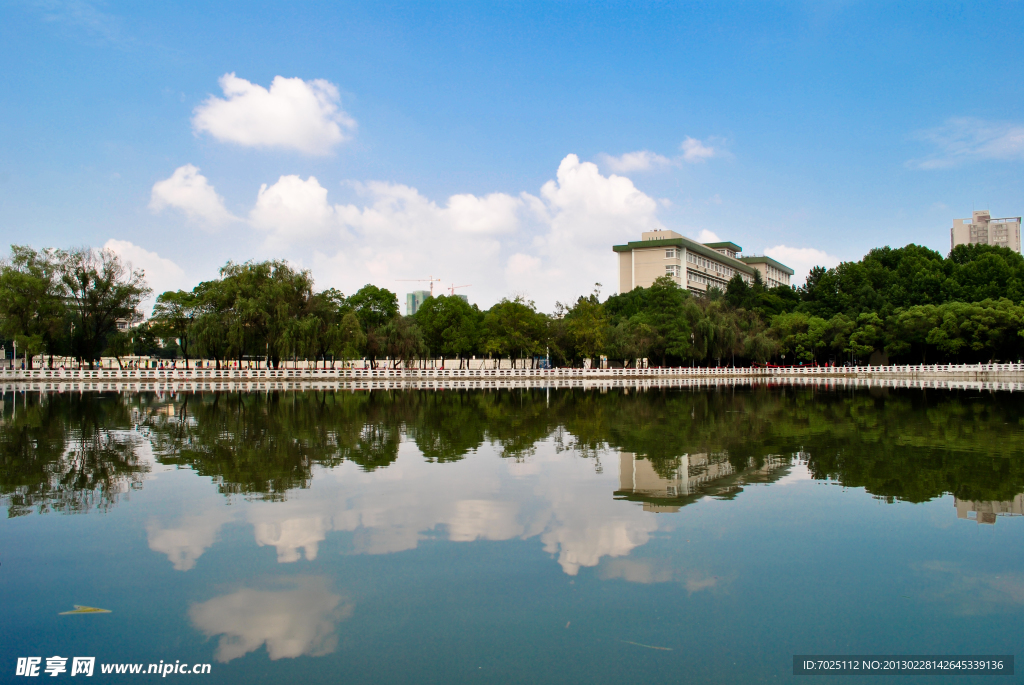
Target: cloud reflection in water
pixel 297 621
pixel 564 503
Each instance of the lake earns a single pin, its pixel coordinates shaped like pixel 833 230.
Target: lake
pixel 510 536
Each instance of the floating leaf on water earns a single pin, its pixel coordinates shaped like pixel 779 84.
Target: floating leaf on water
pixel 79 609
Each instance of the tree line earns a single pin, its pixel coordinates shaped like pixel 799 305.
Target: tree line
pixel 909 304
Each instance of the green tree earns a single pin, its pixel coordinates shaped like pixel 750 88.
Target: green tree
pixel 450 326
pixel 586 326
pixel 515 329
pixel 404 340
pixel 374 307
pixel 100 289
pixel 868 336
pixel 32 308
pixel 664 312
pixel 174 316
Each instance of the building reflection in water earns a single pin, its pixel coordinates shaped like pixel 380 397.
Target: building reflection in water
pixel 695 476
pixel 986 512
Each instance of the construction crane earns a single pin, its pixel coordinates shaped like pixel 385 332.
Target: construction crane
pixel 452 287
pixel 420 280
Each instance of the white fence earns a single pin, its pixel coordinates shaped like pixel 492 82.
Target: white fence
pixel 918 371
pixel 941 376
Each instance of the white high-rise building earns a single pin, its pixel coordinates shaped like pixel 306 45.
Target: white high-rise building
pixel 982 228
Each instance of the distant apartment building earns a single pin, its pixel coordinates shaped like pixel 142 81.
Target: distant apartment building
pixel 982 229
pixel 695 266
pixel 415 300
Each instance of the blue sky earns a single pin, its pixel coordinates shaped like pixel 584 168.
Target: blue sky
pixel 502 145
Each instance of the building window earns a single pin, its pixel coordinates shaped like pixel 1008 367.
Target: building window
pixel 670 253
pixel 671 269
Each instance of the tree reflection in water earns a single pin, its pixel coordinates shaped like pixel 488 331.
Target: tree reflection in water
pixel 76 453
pixel 68 454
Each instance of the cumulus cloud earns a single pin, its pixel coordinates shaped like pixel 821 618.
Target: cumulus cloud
pixel 397 234
pixel 297 621
pixel 695 151
pixel 801 259
pixel 584 214
pixel 706 236
pixel 293 209
pixel 161 274
pixel 494 213
pixel 642 160
pixel 189 191
pixel 548 246
pixel 520 266
pixel 962 140
pixel 292 114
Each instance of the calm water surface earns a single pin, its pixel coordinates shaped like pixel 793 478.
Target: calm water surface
pixel 526 537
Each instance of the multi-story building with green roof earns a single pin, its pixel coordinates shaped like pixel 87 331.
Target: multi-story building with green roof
pixel 693 265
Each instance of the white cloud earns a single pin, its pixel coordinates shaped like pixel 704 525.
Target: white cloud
pixel 550 246
pixel 161 274
pixel 494 213
pixel 189 191
pixel 584 214
pixel 962 140
pixel 293 209
pixel 695 151
pixel 293 114
pixel 521 265
pixel 707 236
pixel 641 160
pixel 294 622
pixel 801 260
pixel 401 234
